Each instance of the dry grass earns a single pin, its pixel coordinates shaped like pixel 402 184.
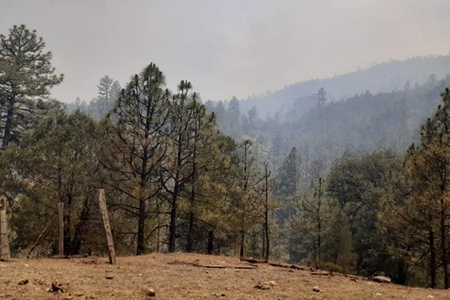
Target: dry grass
pixel 88 279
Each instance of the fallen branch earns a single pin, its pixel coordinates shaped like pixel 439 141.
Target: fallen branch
pixel 197 264
pixel 226 267
pixel 286 266
pixel 273 264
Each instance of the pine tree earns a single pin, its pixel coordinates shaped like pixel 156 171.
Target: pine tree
pixel 203 154
pixel 234 120
pixel 253 116
pixel 182 117
pixel 108 92
pixel 436 153
pixel 136 146
pixel 26 75
pixel 287 182
pixel 247 180
pixel 338 242
pixel 316 210
pixel 309 224
pixel 358 185
pixel 216 213
pixel 321 97
pixel 422 197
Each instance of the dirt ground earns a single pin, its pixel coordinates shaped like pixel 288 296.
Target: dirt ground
pixel 175 276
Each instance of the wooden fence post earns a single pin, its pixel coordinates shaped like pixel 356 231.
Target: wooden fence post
pixel 4 245
pixel 107 226
pixel 61 228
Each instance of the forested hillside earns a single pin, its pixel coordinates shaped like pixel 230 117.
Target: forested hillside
pixel 379 78
pixel 362 123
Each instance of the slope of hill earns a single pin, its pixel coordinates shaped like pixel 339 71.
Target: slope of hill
pixel 367 122
pixel 363 123
pixel 385 77
pixel 179 276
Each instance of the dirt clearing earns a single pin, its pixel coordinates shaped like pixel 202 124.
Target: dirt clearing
pixel 185 276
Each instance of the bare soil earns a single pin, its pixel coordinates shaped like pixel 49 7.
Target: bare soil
pixel 178 276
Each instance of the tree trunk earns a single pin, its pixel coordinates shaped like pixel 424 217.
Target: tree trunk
pixel 8 125
pixel 79 229
pixel 61 228
pixel 176 189
pixel 143 185
pixel 444 249
pixel 267 238
pixel 432 260
pixel 67 227
pixel 210 242
pixel 241 251
pixel 319 225
pixel 173 220
pixel 158 230
pixel 190 242
pixel 141 228
pixel 266 216
pixel 61 232
pixel 263 253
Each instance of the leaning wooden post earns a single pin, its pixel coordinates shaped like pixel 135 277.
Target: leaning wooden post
pixel 4 245
pixel 61 228
pixel 107 226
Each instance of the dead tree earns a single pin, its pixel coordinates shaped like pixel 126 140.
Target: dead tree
pixel 266 239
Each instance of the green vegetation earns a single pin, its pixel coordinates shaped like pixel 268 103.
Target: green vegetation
pixel 334 187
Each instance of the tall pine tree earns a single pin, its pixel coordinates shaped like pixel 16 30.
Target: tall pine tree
pixel 26 75
pixel 136 144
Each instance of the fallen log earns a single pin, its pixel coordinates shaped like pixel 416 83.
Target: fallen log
pixel 253 260
pixel 321 273
pixel 225 267
pixel 271 263
pixel 197 264
pixel 286 266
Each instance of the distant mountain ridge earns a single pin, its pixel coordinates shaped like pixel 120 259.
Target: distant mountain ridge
pixel 384 77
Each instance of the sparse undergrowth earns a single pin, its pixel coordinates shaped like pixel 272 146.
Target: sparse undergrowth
pixel 184 276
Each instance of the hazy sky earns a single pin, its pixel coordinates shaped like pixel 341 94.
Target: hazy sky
pixel 227 47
